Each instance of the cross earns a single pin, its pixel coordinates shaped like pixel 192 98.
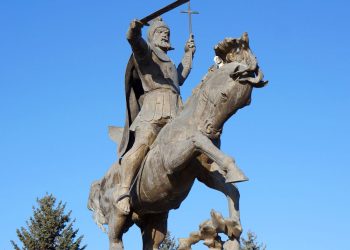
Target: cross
pixel 189 12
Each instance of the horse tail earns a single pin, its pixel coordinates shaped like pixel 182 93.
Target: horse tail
pixel 101 195
pixel 94 205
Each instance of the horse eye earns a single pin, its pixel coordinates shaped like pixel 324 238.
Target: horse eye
pixel 224 97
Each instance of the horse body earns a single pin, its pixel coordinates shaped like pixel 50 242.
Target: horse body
pixel 187 148
pixel 169 165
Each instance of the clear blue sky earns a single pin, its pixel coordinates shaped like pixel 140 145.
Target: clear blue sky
pixel 61 84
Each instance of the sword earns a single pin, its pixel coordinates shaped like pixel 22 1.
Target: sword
pixel 167 8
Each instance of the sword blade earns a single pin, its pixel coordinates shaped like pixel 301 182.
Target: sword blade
pixel 167 8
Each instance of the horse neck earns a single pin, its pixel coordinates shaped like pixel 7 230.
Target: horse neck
pixel 200 112
pixel 192 107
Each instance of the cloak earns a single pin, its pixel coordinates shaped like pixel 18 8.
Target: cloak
pixel 133 91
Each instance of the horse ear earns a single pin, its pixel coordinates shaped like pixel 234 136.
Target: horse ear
pixel 245 38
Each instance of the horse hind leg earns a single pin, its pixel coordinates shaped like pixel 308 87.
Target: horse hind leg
pixel 118 225
pixel 154 229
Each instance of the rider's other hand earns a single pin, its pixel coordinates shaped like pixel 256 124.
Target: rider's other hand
pixel 190 45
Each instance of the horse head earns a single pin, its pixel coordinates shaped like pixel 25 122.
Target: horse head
pixel 228 87
pixel 237 50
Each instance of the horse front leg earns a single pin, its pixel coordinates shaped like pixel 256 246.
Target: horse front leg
pixel 211 175
pixel 177 155
pixel 204 145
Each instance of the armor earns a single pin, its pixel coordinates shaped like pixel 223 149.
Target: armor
pixel 152 84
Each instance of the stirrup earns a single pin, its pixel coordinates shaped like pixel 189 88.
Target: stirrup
pixel 123 196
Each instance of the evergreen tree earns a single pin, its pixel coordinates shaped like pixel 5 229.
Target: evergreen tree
pixel 169 243
pixel 250 243
pixel 49 228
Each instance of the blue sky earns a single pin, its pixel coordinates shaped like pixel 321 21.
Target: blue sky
pixel 61 84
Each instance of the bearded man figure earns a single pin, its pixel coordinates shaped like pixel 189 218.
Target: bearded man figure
pixel 152 84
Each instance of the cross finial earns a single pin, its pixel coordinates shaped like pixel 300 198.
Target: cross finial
pixel 190 13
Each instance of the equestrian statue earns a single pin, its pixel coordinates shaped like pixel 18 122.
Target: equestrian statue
pixel 166 145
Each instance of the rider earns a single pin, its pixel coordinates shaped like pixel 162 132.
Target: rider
pixel 152 88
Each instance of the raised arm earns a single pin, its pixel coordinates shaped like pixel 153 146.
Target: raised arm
pixel 185 66
pixel 134 36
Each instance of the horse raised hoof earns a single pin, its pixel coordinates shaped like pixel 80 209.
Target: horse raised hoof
pixel 234 176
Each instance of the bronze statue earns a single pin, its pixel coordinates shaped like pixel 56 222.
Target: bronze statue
pixel 185 149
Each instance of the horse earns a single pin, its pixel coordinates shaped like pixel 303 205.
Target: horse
pixel 186 149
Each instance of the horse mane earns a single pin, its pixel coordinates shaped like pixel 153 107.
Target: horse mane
pixel 227 51
pixel 236 50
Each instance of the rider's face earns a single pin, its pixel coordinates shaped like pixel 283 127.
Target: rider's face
pixel 161 38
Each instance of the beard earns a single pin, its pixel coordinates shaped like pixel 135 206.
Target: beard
pixel 163 45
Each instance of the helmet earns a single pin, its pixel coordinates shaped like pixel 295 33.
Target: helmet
pixel 156 23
